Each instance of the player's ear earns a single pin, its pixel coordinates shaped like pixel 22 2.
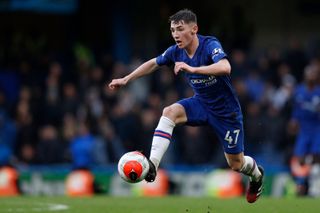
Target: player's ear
pixel 194 29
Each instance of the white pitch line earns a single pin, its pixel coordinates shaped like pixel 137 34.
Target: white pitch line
pixel 57 207
pixel 44 207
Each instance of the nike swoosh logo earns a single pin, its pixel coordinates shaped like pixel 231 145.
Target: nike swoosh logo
pixel 230 147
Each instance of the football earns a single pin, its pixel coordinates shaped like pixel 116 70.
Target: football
pixel 133 167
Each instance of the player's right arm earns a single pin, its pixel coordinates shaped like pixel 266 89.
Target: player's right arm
pixel 144 69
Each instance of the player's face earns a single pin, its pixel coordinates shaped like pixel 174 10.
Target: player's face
pixel 183 33
pixel 311 75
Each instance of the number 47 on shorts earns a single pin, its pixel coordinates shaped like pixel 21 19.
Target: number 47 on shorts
pixel 232 137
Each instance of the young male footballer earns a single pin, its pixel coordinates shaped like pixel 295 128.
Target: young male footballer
pixel 203 62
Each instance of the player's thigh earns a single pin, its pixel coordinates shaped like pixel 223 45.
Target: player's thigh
pixel 230 133
pixel 301 146
pixel 195 111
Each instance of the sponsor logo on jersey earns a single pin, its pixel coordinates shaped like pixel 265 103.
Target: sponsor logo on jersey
pixel 313 105
pixel 206 81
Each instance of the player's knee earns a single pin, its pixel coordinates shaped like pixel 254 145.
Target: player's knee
pixel 169 112
pixel 176 113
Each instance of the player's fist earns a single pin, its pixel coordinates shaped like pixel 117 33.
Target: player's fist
pixel 181 66
pixel 117 83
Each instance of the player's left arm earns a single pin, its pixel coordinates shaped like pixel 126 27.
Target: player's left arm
pixel 222 67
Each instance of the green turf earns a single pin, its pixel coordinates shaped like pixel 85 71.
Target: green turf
pixel 105 204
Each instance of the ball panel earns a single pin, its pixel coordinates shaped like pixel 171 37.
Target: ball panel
pixel 132 166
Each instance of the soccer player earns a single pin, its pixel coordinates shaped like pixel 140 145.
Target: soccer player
pixel 306 117
pixel 203 62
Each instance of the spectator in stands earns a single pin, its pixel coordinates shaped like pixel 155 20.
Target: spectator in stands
pixel 49 149
pixel 81 147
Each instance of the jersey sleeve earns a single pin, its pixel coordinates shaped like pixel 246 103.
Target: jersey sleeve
pixel 216 51
pixel 166 58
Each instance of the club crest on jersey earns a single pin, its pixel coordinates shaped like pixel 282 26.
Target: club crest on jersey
pixel 216 51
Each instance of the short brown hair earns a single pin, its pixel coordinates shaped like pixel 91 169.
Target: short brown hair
pixel 185 15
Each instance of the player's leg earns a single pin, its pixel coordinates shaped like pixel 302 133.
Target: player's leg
pixel 244 164
pixel 300 162
pixel 314 175
pixel 171 115
pixel 247 166
pixel 230 134
pixel 189 110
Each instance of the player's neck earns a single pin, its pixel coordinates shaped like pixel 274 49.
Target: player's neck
pixel 192 47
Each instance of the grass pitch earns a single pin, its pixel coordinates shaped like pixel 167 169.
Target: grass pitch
pixel 170 204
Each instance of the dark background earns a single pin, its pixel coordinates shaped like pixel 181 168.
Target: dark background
pixel 126 28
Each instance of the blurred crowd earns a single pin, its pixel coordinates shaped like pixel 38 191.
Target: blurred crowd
pixel 55 107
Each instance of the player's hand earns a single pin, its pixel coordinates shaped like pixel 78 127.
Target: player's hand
pixel 117 83
pixel 181 66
